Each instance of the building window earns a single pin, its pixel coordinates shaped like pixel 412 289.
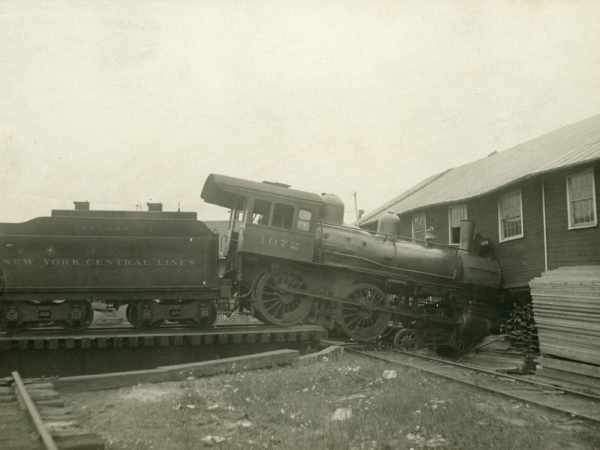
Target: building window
pixel 510 216
pixel 283 216
pixel 304 218
pixel 581 199
pixel 419 227
pixel 456 213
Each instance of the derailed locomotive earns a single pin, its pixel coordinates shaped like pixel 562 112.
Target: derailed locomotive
pixel 292 260
pixel 287 256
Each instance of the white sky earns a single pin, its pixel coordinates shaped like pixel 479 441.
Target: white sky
pixel 120 102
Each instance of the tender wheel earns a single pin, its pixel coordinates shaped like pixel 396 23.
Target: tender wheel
pixel 88 317
pixel 133 314
pixel 363 322
pixel 206 322
pixel 277 307
pixel 407 339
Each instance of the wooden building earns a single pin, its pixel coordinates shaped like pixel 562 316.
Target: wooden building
pixel 536 204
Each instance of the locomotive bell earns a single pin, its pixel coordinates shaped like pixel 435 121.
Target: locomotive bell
pixel 389 223
pixel 333 210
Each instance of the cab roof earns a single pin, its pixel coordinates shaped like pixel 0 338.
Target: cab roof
pixel 224 191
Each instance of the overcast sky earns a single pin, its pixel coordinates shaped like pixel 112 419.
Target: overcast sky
pixel 122 102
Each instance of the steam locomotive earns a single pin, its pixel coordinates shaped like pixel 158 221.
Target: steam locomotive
pixel 287 259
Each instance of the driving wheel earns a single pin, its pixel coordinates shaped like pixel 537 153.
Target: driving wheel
pixel 277 306
pixel 362 320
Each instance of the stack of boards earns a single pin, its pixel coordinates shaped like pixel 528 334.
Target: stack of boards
pixel 566 305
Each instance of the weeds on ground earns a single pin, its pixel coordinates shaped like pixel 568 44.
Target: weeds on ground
pixel 295 407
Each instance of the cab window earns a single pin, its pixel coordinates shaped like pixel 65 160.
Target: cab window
pixel 260 212
pixel 304 218
pixel 283 216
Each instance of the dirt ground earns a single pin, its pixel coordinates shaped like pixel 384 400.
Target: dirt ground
pixel 348 404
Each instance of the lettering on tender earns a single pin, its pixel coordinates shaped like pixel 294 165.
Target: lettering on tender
pixel 98 262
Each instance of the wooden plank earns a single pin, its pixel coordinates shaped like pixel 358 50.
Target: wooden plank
pixel 572 378
pixel 569 353
pixel 560 328
pixel 567 313
pixel 175 372
pixel 567 323
pixel 588 370
pixel 569 339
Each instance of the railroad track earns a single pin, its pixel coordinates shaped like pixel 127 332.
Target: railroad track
pixel 32 416
pixel 115 349
pixel 565 401
pixel 130 330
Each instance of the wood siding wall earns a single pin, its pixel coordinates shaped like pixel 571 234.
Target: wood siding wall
pixel 569 247
pixel 520 259
pixel 523 259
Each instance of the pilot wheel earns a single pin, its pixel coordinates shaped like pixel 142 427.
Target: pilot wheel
pixel 277 306
pixel 407 339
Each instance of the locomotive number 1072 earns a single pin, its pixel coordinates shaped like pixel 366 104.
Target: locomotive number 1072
pixel 282 243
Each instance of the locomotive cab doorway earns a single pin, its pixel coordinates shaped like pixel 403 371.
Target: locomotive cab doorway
pixel 233 229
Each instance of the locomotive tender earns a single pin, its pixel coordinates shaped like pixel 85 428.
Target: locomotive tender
pixel 287 255
pixel 162 265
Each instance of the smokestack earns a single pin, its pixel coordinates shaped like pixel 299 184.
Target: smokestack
pixel 467 231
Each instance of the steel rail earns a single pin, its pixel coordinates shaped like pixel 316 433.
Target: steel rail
pixel 492 372
pixel 33 412
pixel 504 393
pixel 53 332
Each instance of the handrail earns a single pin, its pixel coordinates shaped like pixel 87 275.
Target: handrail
pixel 405 239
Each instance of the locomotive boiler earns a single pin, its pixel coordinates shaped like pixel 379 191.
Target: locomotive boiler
pixel 292 260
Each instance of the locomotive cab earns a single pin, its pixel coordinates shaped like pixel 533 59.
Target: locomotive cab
pixel 267 219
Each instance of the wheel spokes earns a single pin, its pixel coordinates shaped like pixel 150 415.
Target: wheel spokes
pixel 277 306
pixel 364 321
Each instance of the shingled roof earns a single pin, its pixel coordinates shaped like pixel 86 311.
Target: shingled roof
pixel 568 146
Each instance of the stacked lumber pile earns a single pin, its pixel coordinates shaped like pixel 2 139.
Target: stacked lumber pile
pixel 566 306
